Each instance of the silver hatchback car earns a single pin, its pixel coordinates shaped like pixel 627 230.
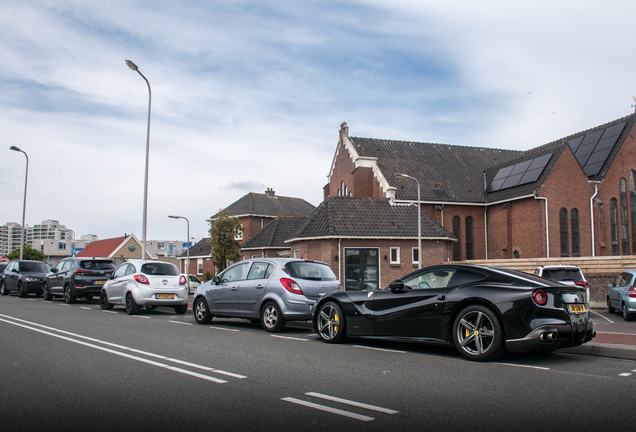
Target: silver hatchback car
pixel 140 283
pixel 271 291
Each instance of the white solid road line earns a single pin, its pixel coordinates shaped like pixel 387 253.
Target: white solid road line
pixel 121 354
pixel 379 349
pixel 289 337
pixel 602 316
pixel 149 354
pixel 328 409
pixel 353 403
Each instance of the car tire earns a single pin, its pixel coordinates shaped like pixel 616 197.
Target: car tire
pixel 610 309
pixel 201 310
pixel 626 315
pixel 271 318
pixel 330 323
pixel 132 308
pixel 478 334
pixel 46 294
pixel 3 289
pixel 180 310
pixel 68 296
pixel 103 301
pixel 21 292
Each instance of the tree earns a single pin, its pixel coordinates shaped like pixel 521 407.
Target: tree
pixel 223 231
pixel 28 254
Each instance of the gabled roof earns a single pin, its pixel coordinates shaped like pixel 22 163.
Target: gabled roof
pixel 460 174
pixel 274 234
pixel 104 248
pixel 353 217
pixel 200 249
pixel 254 204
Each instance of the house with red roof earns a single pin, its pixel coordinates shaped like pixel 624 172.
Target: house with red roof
pixel 118 249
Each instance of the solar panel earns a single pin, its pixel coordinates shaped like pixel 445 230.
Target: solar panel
pixel 518 174
pixel 593 149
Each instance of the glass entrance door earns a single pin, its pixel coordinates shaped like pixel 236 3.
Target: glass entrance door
pixel 362 269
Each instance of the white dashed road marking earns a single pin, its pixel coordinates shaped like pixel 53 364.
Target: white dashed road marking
pixel 289 337
pixel 223 328
pixel 603 316
pixel 339 411
pixel 179 322
pixel 523 366
pixel 379 349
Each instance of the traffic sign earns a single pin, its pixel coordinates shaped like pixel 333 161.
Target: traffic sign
pixel 3 259
pixel 187 245
pixel 79 249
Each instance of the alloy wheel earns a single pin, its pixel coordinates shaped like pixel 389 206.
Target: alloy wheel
pixel 270 316
pixel 328 322
pixel 475 333
pixel 200 310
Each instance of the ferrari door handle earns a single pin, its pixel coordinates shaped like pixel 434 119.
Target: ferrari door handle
pixel 441 297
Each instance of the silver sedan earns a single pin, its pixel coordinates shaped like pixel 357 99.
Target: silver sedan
pixel 148 284
pixel 271 291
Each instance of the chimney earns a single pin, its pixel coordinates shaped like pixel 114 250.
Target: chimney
pixel 344 132
pixel 270 192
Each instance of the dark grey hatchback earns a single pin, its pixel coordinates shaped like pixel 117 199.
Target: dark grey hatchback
pixel 77 277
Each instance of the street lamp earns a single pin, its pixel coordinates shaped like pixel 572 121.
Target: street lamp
pixel 188 250
pixel 419 219
pixel 134 67
pixel 26 176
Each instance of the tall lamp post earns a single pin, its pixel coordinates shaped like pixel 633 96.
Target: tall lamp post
pixel 419 219
pixel 134 67
pixel 188 250
pixel 26 176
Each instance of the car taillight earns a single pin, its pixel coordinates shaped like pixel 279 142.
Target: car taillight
pixel 141 279
pixel 182 280
pixel 632 292
pixel 291 286
pixel 539 297
pixel 584 284
pixel 82 272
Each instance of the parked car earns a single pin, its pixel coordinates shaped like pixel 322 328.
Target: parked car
pixel 24 276
pixel 3 265
pixel 148 284
pixel 194 282
pixel 77 277
pixel 622 295
pixel 481 311
pixel 270 290
pixel 566 274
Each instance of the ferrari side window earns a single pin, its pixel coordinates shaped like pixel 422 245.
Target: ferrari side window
pixel 438 278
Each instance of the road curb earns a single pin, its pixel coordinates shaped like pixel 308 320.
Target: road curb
pixel 625 352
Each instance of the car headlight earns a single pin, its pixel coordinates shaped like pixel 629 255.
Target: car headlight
pixel 31 279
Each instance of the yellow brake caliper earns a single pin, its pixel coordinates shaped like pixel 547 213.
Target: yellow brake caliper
pixel 335 318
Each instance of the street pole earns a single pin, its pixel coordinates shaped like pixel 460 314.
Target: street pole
pixel 187 251
pixel 134 67
pixel 26 176
pixel 419 219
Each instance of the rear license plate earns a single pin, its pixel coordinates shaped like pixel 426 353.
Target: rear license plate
pixel 100 282
pixel 165 296
pixel 577 308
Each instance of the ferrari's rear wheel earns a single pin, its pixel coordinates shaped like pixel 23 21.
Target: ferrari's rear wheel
pixel 478 334
pixel 331 323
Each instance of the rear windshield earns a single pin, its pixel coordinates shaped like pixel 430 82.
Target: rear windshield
pixel 159 269
pixel 309 270
pixel 566 275
pixel 97 265
pixel 34 267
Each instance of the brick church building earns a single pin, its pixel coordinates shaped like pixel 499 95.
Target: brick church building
pixel 575 196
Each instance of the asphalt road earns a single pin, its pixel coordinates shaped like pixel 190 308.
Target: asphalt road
pixel 76 367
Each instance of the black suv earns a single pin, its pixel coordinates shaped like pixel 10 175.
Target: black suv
pixel 77 277
pixel 24 277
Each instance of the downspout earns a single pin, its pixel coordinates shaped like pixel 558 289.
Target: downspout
pixel 486 230
pixel 339 261
pixel 592 216
pixel 547 232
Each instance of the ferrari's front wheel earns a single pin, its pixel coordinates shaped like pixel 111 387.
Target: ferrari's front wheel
pixel 478 333
pixel 331 323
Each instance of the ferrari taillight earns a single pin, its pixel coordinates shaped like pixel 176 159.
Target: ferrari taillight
pixel 141 279
pixel 632 292
pixel 291 286
pixel 539 297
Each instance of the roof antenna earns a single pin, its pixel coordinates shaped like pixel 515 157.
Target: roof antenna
pixel 634 105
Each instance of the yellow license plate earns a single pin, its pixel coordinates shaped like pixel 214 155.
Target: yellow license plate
pixel 165 296
pixel 577 308
pixel 100 282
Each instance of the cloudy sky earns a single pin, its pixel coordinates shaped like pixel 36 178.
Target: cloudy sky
pixel 248 95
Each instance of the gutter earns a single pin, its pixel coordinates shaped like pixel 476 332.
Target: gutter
pixel 547 233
